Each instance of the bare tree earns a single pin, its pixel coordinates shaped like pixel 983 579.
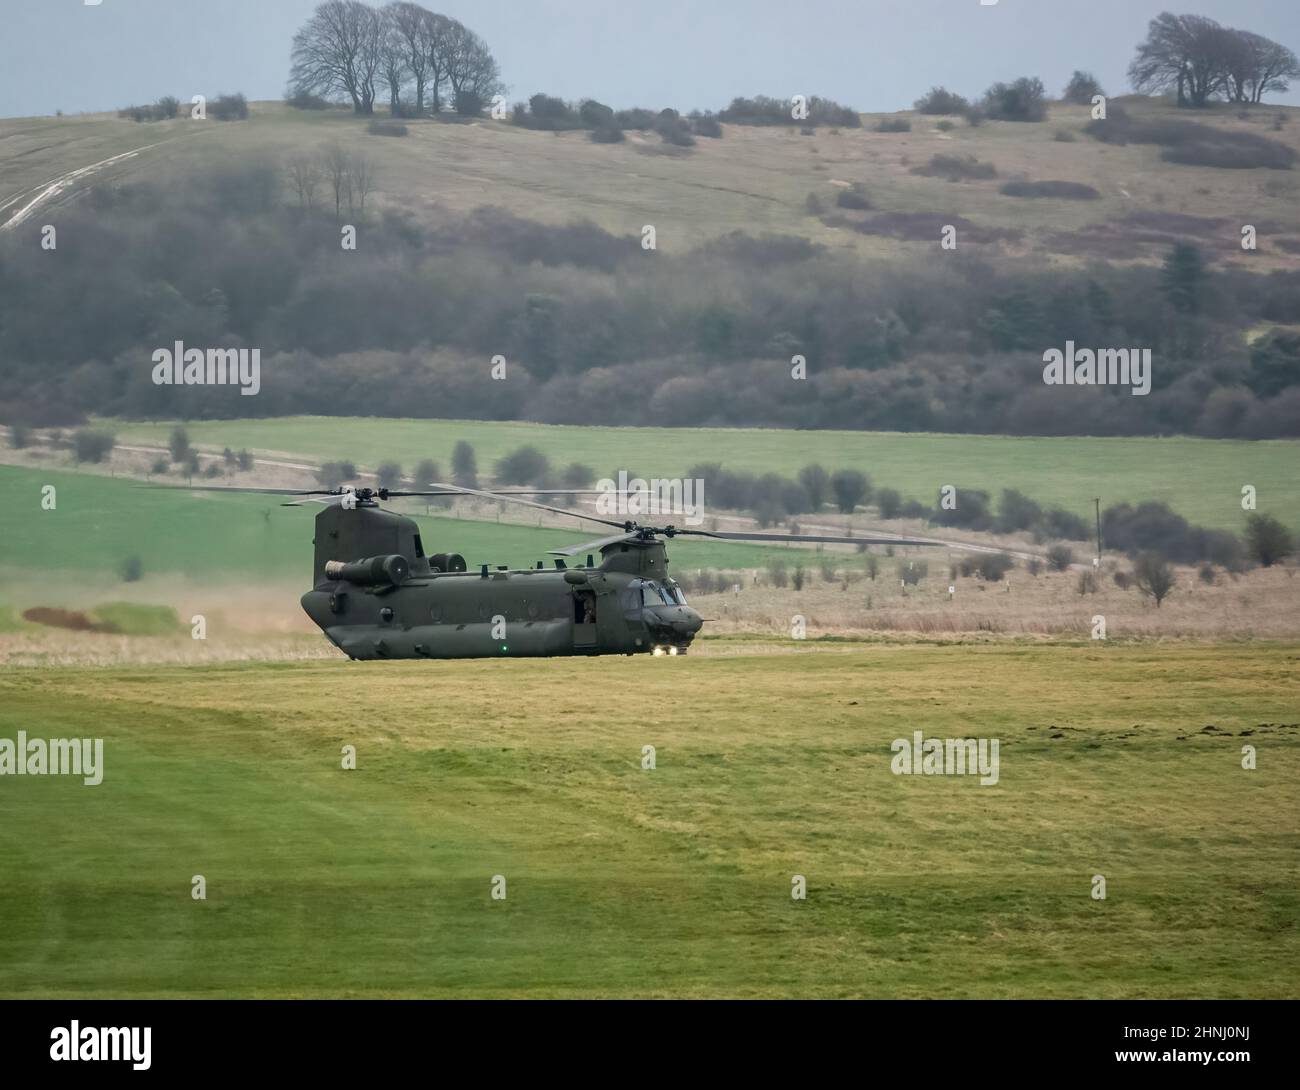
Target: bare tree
pixel 1186 52
pixel 337 165
pixel 305 176
pixel 472 71
pixel 1270 67
pixel 394 66
pixel 361 182
pixel 337 49
pixel 417 29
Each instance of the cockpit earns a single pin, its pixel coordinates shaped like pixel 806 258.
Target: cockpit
pixel 667 593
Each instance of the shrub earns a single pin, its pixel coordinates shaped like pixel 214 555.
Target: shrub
pixel 595 115
pixel 1081 89
pixel 912 572
pixel 229 108
pixel 304 100
pixel 19 435
pixel 1063 136
pixel 799 576
pixel 939 100
pixel 706 125
pixel 1023 100
pixel 889 502
pixel 212 469
pixel 1153 576
pixel 1070 191
pixel 178 443
pixel 92 445
pixel 244 460
pixel 854 198
pixel 469 103
pixel 166 107
pixel 1087 583
pixel 637 118
pixel 994 566
pixel 850 488
pixel 956 168
pixel 334 474
pixel 464 465
pixel 777 574
pixel 1060 557
pixel 1267 539
pixel 1191 142
pixel 527 465
pixel 894 124
pixel 607 134
pixel 1034 566
pixel 389 474
pixel 1206 574
pixel 160 465
pixel 425 474
pixel 974 116
pixel 945 126
pixel 1123 579
pixel 132 569
pixel 814 205
pixel 386 128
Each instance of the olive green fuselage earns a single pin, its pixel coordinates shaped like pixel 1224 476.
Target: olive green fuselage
pixel 625 604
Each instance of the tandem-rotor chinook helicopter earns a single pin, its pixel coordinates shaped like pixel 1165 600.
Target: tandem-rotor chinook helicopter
pixel 376 593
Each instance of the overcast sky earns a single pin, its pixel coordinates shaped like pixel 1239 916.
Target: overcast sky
pixel 875 55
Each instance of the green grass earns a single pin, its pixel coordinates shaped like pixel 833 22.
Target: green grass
pixel 667 882
pixel 100 521
pixel 134 619
pixel 1199 478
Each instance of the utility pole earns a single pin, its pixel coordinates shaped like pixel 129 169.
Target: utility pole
pixel 1096 500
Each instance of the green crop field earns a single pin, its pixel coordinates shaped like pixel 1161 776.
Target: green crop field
pixel 99 522
pixel 1122 761
pixel 1200 478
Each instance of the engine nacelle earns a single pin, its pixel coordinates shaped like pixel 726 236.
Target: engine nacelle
pixel 374 571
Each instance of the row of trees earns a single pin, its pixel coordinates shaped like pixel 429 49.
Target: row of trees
pixel 349 48
pixel 1201 60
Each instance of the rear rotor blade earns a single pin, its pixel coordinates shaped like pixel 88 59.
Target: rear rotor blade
pixel 592 546
pixel 483 494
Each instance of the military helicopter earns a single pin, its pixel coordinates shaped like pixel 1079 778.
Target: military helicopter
pixel 377 594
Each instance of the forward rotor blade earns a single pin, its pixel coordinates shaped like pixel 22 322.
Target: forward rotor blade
pixel 483 494
pixel 821 539
pixel 592 546
pixel 251 491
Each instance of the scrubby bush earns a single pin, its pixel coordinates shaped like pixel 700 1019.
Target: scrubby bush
pixel 1063 136
pixel 1060 557
pixel 956 168
pixel 229 108
pixel 92 445
pixel 386 128
pixel 939 100
pixel 1081 89
pixel 389 474
pixel 1070 191
pixel 945 126
pixel 131 569
pixel 304 100
pixel 20 435
pixel 1087 582
pixel 527 465
pixel 889 502
pixel 335 474
pixel 912 572
pixel 1267 539
pixel 1023 100
pixel 706 125
pixel 894 124
pixel 1153 576
pixel 1193 143
pixel 854 198
pixel 607 134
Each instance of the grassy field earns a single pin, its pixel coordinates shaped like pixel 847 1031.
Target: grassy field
pixel 752 180
pixel 99 522
pixel 675 881
pixel 1199 478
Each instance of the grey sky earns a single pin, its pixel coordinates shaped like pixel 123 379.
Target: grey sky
pixel 875 55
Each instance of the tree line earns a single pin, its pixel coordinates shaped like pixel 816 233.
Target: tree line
pixel 415 55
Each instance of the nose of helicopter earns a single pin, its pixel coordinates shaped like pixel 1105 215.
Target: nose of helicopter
pixel 688 622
